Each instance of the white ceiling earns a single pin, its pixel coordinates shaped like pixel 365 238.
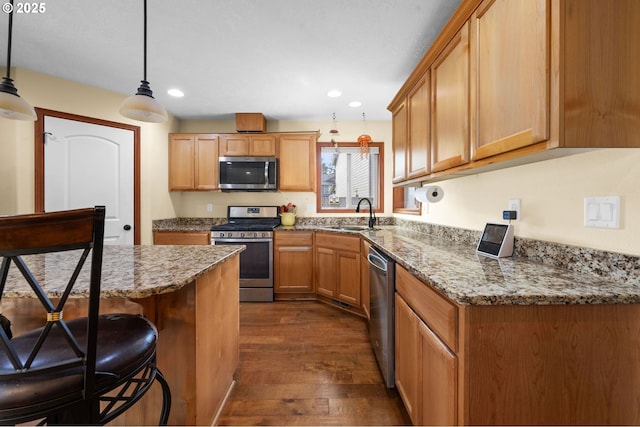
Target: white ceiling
pixel 278 57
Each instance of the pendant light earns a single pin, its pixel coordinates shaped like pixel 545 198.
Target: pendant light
pixel 364 140
pixel 11 105
pixel 142 106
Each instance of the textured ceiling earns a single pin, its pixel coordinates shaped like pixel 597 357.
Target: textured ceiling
pixel 278 57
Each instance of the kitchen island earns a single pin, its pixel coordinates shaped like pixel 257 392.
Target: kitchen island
pixel 189 292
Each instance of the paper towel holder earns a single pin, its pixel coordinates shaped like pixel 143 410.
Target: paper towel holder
pixel 429 194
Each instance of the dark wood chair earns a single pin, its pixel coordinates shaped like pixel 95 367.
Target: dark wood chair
pixel 84 371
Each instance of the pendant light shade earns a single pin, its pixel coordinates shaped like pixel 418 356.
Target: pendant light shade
pixel 143 106
pixel 11 105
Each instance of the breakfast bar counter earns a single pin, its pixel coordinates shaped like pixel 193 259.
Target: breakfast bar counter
pixel 189 292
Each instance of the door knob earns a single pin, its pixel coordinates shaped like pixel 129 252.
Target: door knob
pixel 127 227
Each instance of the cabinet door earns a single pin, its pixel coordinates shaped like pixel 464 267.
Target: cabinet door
pixel 365 295
pixel 400 143
pixel 510 59
pixel 234 145
pixel 263 145
pixel 296 174
pixel 450 104
pixel 181 162
pixel 419 129
pixel 206 173
pixel 326 274
pixel 293 269
pixel 438 380
pixel 407 342
pixel 349 277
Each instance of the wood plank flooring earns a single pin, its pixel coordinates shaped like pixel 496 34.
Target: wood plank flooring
pixel 307 363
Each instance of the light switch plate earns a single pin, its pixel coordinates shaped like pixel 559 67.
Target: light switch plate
pixel 602 212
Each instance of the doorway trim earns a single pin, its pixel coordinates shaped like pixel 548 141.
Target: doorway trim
pixel 39 159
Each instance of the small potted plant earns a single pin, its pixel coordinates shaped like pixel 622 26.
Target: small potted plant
pixel 288 214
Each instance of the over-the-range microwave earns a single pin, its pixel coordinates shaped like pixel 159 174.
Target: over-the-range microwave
pixel 248 173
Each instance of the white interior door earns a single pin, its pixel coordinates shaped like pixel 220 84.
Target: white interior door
pixel 87 165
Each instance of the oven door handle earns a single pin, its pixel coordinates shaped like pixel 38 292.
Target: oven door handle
pixel 240 241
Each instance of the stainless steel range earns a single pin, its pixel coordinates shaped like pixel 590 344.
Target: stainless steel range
pixel 251 226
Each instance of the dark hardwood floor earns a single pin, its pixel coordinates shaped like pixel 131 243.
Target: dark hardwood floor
pixel 307 363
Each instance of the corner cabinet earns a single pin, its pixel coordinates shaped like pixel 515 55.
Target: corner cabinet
pixel 297 162
pixel 545 78
pixel 193 162
pixel 337 267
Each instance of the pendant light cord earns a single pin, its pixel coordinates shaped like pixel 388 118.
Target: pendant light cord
pixel 9 41
pixel 145 41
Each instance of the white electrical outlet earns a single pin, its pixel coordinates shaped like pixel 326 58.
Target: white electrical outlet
pixel 514 205
pixel 209 207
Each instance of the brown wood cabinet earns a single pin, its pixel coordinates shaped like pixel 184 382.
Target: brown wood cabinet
pixel 399 120
pixel 501 32
pixel 181 238
pixel 263 145
pixel 337 267
pixel 297 162
pixel 293 262
pixel 193 162
pixel 533 364
pixel 546 78
pixel 450 104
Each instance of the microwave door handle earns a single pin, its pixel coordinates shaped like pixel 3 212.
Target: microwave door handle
pixel 266 173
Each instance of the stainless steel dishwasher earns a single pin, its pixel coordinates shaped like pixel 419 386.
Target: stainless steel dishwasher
pixel 382 270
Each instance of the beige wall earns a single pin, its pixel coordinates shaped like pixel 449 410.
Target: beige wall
pixel 552 196
pixel 16 138
pixel 551 192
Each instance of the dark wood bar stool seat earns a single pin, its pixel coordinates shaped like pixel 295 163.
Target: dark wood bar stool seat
pixel 83 371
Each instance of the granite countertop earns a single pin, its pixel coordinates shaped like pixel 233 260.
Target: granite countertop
pixel 468 278
pixel 127 271
pixel 458 272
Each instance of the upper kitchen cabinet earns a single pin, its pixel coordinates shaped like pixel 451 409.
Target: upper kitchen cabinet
pixel 193 162
pixel 399 122
pixel 410 121
pixel 450 104
pixel 546 78
pixel 511 79
pixel 297 162
pixel 263 145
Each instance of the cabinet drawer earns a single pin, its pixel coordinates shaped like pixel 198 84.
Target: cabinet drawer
pixel 294 238
pixel 181 238
pixel 435 310
pixel 338 242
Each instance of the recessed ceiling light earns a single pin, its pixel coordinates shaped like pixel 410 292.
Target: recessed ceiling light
pixel 355 104
pixel 176 92
pixel 334 93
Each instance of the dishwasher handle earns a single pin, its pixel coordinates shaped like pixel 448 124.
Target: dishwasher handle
pixel 377 261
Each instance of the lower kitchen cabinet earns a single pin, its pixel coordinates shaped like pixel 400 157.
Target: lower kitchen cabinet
pixel 181 238
pixel 365 295
pixel 565 364
pixel 293 262
pixel 337 266
pixel 426 369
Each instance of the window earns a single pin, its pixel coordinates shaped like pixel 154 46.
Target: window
pixel 404 201
pixel 345 175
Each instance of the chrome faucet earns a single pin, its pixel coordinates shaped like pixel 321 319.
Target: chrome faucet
pixel 372 216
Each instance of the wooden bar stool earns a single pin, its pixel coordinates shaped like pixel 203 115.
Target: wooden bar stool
pixel 83 371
